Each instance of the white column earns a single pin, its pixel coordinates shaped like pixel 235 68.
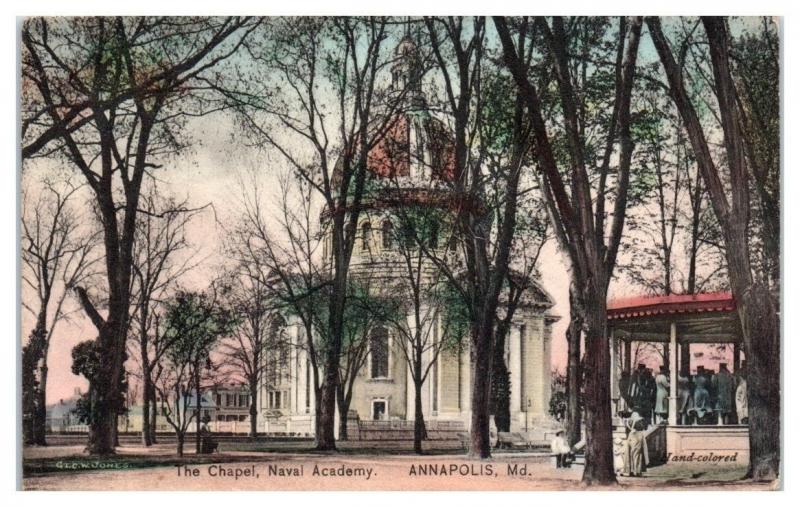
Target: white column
pixel 673 374
pixel 515 367
pixel 409 416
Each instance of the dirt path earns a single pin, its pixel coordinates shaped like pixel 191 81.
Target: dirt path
pixel 294 472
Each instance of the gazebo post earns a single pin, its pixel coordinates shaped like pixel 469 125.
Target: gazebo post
pixel 614 373
pixel 627 366
pixel 673 374
pixel 737 356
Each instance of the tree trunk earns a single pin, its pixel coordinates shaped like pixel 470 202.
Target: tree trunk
pixel 101 436
pixel 686 359
pixel 115 430
pixel 344 407
pixel 105 386
pixel 40 411
pixel 104 397
pixel 146 410
pixel 326 440
pixel 419 419
pixel 481 359
pixel 180 444
pixel 153 415
pixel 197 405
pixel 762 347
pixel 501 386
pixel 599 469
pixel 32 354
pixel 574 373
pixel 501 383
pixel 253 410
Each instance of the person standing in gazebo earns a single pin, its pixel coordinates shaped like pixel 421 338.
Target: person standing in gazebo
pixel 723 383
pixel 662 395
pixel 685 401
pixel 702 399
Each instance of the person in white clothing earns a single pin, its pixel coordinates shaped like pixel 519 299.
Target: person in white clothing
pixel 561 449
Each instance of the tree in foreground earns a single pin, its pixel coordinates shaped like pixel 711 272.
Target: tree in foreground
pixel 486 204
pixel 57 253
pixel 134 83
pixel 194 323
pixel 729 189
pixel 412 295
pixel 284 262
pixel 319 85
pixel 579 223
pixel 162 256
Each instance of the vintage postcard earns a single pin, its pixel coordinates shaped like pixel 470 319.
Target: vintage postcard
pixel 400 253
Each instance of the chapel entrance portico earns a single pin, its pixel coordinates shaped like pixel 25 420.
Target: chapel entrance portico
pixel 677 322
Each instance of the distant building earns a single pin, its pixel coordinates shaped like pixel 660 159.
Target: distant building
pixel 131 421
pixel 232 408
pixel 61 416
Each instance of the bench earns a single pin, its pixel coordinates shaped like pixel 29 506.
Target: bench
pixel 208 446
pixel 506 440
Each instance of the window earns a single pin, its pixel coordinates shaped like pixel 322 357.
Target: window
pixel 278 399
pixel 379 352
pixel 386 235
pixel 379 412
pixel 366 235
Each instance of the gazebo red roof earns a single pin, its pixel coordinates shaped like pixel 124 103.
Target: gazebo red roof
pixel 673 304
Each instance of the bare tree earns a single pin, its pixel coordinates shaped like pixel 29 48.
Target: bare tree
pixel 484 224
pixel 141 79
pixel 321 89
pixel 578 223
pixel 284 259
pixel 755 302
pixel 157 268
pixel 59 250
pixel 412 299
pixel 246 350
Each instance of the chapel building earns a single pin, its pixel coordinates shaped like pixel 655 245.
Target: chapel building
pixel 412 165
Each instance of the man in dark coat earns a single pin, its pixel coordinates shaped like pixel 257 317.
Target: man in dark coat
pixel 724 386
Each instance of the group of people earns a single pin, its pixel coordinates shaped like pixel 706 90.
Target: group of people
pixel 704 398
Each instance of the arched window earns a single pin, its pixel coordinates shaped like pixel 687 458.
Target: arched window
pixel 379 352
pixel 366 235
pixel 386 235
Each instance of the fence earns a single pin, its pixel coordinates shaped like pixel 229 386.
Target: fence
pixel 404 430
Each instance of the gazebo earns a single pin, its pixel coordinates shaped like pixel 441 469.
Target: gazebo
pixel 678 321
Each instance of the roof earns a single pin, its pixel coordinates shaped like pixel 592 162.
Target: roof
pixel 394 153
pixel 696 318
pixel 669 305
pixel 205 400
